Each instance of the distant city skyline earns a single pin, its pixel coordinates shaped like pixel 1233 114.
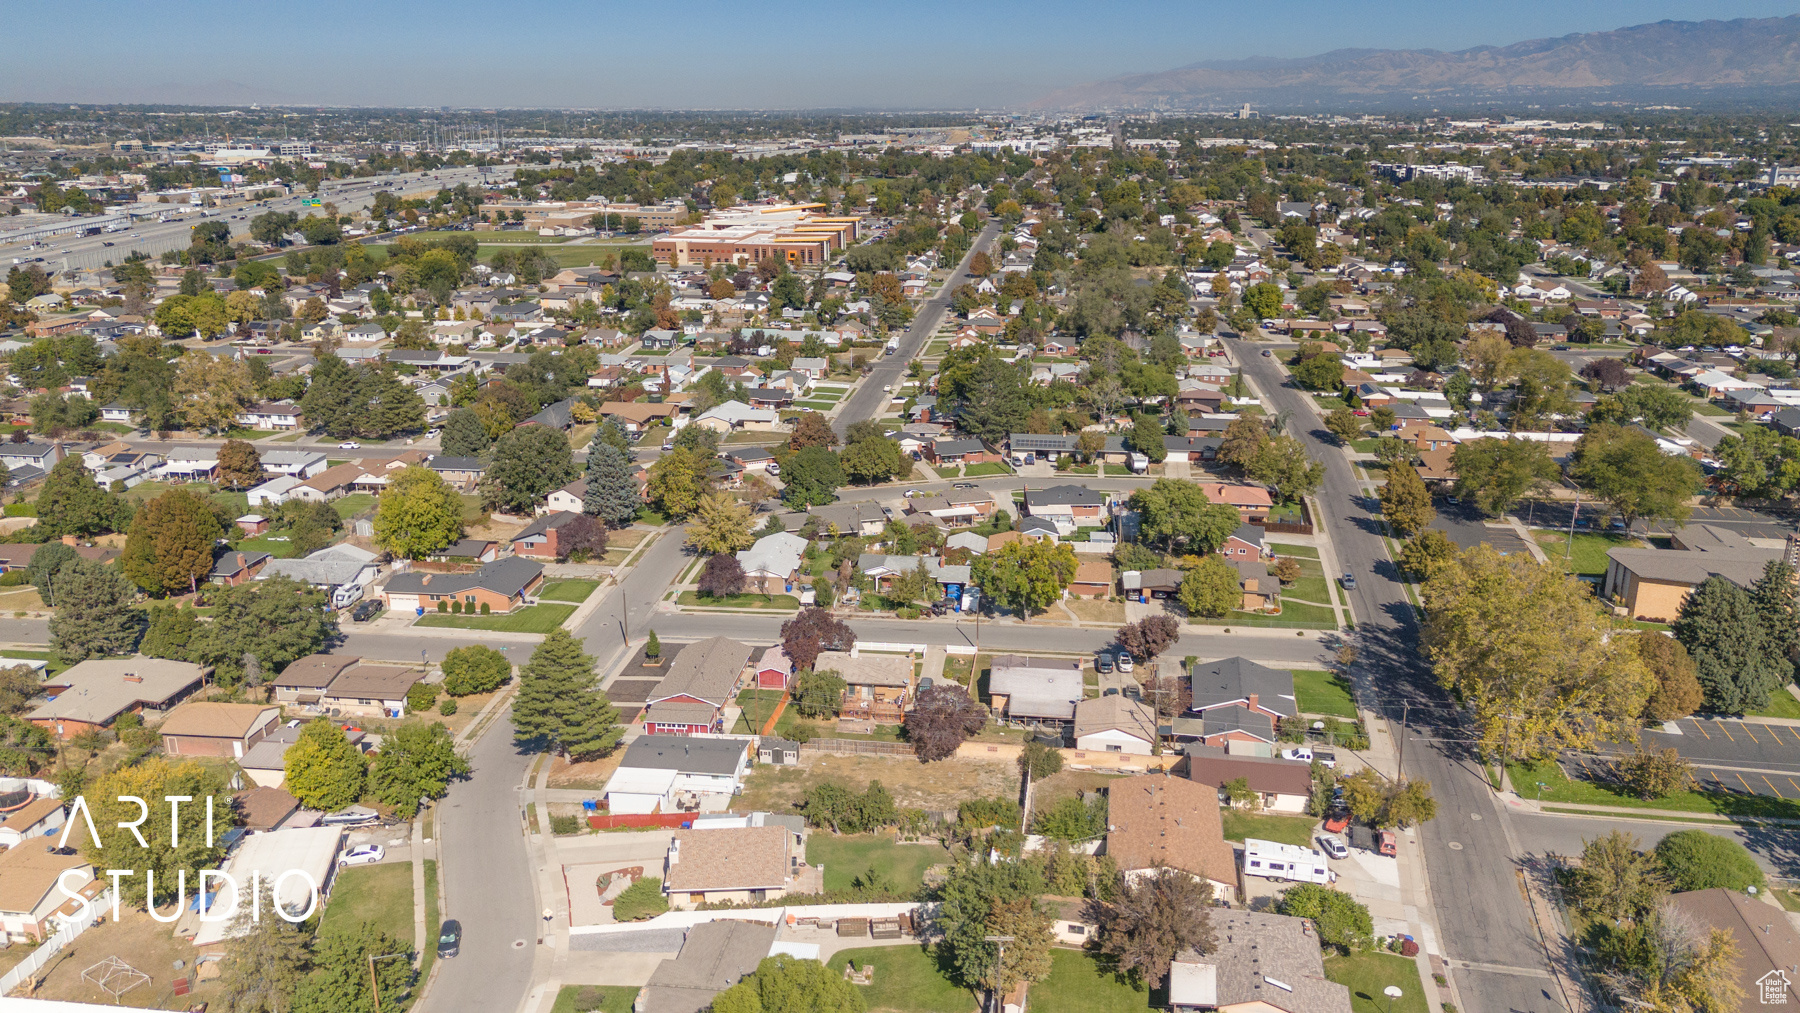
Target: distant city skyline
pixel 794 55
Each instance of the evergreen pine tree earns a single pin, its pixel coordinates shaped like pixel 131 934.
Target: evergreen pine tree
pixel 1733 659
pixel 389 407
pixel 612 492
pixel 330 399
pixel 557 702
pixel 95 615
pixel 1777 601
pixel 170 630
pixel 609 434
pixel 464 435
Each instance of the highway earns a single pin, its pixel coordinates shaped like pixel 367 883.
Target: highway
pixel 152 237
pixel 888 371
pixel 1481 911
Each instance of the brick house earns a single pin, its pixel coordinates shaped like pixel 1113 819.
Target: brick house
pixel 91 695
pixel 538 539
pixel 217 729
pixel 501 585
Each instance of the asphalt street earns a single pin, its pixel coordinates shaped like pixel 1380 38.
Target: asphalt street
pixel 152 237
pixel 1473 868
pixel 488 882
pixel 888 371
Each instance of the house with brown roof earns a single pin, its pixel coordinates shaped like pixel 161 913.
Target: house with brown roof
pixel 303 683
pixel 636 416
pixel 29 897
pixel 1252 502
pixel 877 687
pixel 262 809
pixel 330 484
pixel 1768 960
pixel 210 728
pixel 737 865
pixel 1260 963
pixel 1434 465
pixel 1115 724
pixel 36 818
pixel 1261 589
pixel 1093 579
pixel 1652 584
pixel 1283 786
pixel 1156 820
pixel 373 691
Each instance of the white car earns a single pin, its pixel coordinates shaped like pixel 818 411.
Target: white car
pixel 1334 846
pixel 1124 662
pixel 362 854
pixel 349 445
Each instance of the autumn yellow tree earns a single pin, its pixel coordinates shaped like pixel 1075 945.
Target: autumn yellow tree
pixel 211 390
pixel 1528 649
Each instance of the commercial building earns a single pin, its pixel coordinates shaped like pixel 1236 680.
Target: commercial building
pixel 797 233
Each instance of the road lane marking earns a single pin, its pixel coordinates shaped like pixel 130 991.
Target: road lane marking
pixel 1727 732
pixel 1772 787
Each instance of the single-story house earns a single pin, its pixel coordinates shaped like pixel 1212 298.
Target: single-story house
pixel 370 691
pixel 714 955
pixel 1247 542
pixel 877 687
pixel 1093 579
pixel 1035 690
pixel 738 864
pixel 1115 724
pixel 31 898
pixel 1284 786
pixel 702 680
pixel 773 563
pixel 1252 502
pixel 1158 820
pixel 274 492
pixel 861 518
pixel 92 694
pixel 1237 681
pixel 501 585
pixel 1253 953
pixel 39 817
pixel 660 773
pixel 1147 585
pixel 232 567
pixel 1767 968
pixel 210 728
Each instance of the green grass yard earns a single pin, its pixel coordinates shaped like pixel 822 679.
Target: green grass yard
pixel 847 857
pixel 1297 551
pixel 1296 830
pixel 1313 589
pixel 1589 555
pixel 985 469
pixel 280 548
pixel 576 591
pixel 381 894
pixel 773 602
pixel 589 998
pixel 1320 692
pixel 1294 616
pixel 1559 788
pixel 353 504
pixel 1367 973
pixel 1782 704
pixel 1081 983
pixel 907 980
pixel 530 619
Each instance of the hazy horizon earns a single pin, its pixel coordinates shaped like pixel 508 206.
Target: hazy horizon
pixel 797 55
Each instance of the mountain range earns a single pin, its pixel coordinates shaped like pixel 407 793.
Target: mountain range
pixel 1747 59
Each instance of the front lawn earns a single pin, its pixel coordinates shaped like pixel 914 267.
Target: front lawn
pixel 907 980
pixel 848 857
pixel 1287 513
pixel 774 602
pixel 1313 589
pixel 1560 788
pixel 1367 973
pixel 1296 830
pixel 984 469
pixel 530 619
pixel 280 548
pixel 1294 616
pixel 568 590
pixel 372 893
pixel 1297 551
pixel 1080 983
pixel 587 998
pixel 1589 557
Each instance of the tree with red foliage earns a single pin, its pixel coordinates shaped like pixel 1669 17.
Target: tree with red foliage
pixel 941 719
pixel 584 536
pixel 722 576
pixel 1149 636
pixel 811 632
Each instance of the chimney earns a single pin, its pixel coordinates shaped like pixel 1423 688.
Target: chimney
pixel 1253 698
pixel 133 677
pixel 71 541
pixel 427 579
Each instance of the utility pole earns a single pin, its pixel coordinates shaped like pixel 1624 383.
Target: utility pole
pixel 374 986
pixel 999 962
pixel 1400 766
pixel 1569 549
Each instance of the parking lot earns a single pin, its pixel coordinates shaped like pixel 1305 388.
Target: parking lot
pixel 1727 742
pixel 1467 527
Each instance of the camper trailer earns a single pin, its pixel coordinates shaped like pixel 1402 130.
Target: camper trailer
pixel 1273 860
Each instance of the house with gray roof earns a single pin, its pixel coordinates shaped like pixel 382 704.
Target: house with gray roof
pixel 1035 690
pixel 714 956
pixel 771 565
pixel 88 696
pixel 328 569
pixel 702 680
pixel 1238 682
pixel 1259 961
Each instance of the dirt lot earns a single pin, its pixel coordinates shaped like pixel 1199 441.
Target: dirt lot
pixel 149 946
pixel 941 785
pixel 1097 611
pixel 592 774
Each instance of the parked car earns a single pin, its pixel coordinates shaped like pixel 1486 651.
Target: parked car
pixel 349 445
pixel 362 854
pixel 963 485
pixel 1334 846
pixel 1349 582
pixel 449 939
pixel 1307 754
pixel 365 611
pixel 1267 353
pixel 1124 663
pixel 1382 842
pixel 1103 664
pixel 1336 821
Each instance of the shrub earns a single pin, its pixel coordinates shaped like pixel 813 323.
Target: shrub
pixel 443 606
pixel 652 646
pixel 1697 860
pixel 456 607
pixel 421 697
pixel 485 609
pixel 563 826
pixel 15 578
pixel 475 669
pixel 642 899
pixel 448 707
pixel 1408 948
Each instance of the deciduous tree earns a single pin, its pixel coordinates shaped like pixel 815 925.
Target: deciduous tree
pixel 170 548
pixel 1616 880
pixel 811 478
pixel 942 717
pixel 174 837
pixel 72 503
pixel 1344 425
pixel 1677 693
pixel 788 984
pixel 1178 512
pixel 1654 773
pixel 720 524
pixel 475 669
pixel 811 430
pixel 1154 918
pixel 721 577
pixel 1626 469
pixel 1283 465
pixel 418 514
pixel 1150 636
pixel 1341 921
pixel 1497 473
pixel 1405 501
pixel 811 632
pixel 1211 589
pixel 324 771
pixel 978 900
pixel 1530 653
pixel 240 466
pixel 1027 576
pixel 277 621
pixel 417 761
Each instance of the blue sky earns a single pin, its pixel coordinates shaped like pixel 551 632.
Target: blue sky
pixel 708 54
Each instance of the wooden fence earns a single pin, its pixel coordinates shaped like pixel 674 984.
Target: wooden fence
pixel 858 747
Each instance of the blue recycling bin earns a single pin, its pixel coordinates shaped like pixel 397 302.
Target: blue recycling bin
pixel 589 805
